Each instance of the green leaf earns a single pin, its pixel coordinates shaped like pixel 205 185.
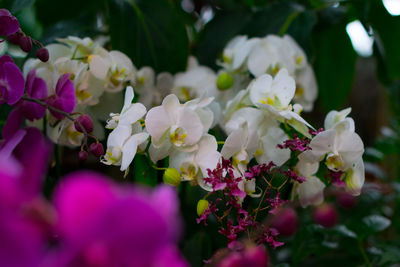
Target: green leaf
pixel 269 20
pixel 150 32
pixel 334 66
pixel 50 12
pixel 344 231
pixel 376 223
pixel 20 4
pixel 142 172
pixel 197 249
pixel 301 27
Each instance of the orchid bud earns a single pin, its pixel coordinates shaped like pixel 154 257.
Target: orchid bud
pixel 202 206
pixel 346 200
pixel 14 38
pixel 325 215
pixel 83 155
pixel 256 256
pixel 286 221
pixel 42 54
pixel 232 260
pixel 225 81
pixel 172 177
pixel 25 43
pixel 96 149
pixel 86 123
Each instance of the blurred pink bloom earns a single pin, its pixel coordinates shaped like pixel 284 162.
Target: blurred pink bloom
pixel 11 81
pixel 103 224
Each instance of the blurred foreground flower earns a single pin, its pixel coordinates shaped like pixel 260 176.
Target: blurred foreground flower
pixel 103 224
pixel 91 222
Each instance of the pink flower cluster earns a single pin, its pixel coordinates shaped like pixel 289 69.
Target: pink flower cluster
pixel 90 221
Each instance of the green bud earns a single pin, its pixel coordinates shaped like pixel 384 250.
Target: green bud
pixel 225 81
pixel 202 205
pixel 172 177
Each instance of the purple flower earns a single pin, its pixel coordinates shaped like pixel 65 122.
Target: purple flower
pixel 29 147
pixel 11 81
pixel 8 23
pixel 64 98
pixel 35 88
pixel 269 237
pixel 24 216
pixel 102 224
pixel 336 178
pixel 296 144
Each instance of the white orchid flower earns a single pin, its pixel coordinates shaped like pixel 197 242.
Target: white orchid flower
pixel 269 55
pixel 114 68
pixel 295 51
pixel 122 145
pixel 268 151
pixel 342 148
pixel 334 118
pixel 236 52
pixel 355 177
pixel 194 165
pixel 311 191
pixel 240 146
pixel 130 113
pixel 203 110
pixel 196 82
pixel 172 125
pixel 276 92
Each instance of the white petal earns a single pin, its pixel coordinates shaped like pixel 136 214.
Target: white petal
pixel 157 122
pixel 171 106
pixel 306 168
pixel 159 153
pixel 233 144
pixel 119 135
pixel 133 114
pixel 355 178
pixel 99 66
pixel 283 87
pixel 350 147
pixel 311 192
pixel 191 123
pixel 128 152
pixel 260 89
pixel 129 95
pixel 270 151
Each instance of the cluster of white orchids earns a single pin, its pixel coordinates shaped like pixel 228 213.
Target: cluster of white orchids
pixel 256 98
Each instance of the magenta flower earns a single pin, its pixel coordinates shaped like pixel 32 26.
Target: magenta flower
pixel 24 215
pixel 11 81
pixel 29 147
pixel 64 98
pixel 8 23
pixel 102 224
pixel 35 88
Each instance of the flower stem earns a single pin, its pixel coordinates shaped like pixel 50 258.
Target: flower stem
pixel 365 257
pixel 66 114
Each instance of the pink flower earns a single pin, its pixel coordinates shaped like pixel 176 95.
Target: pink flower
pixel 35 88
pixel 8 23
pixel 64 99
pixel 11 81
pixel 102 224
